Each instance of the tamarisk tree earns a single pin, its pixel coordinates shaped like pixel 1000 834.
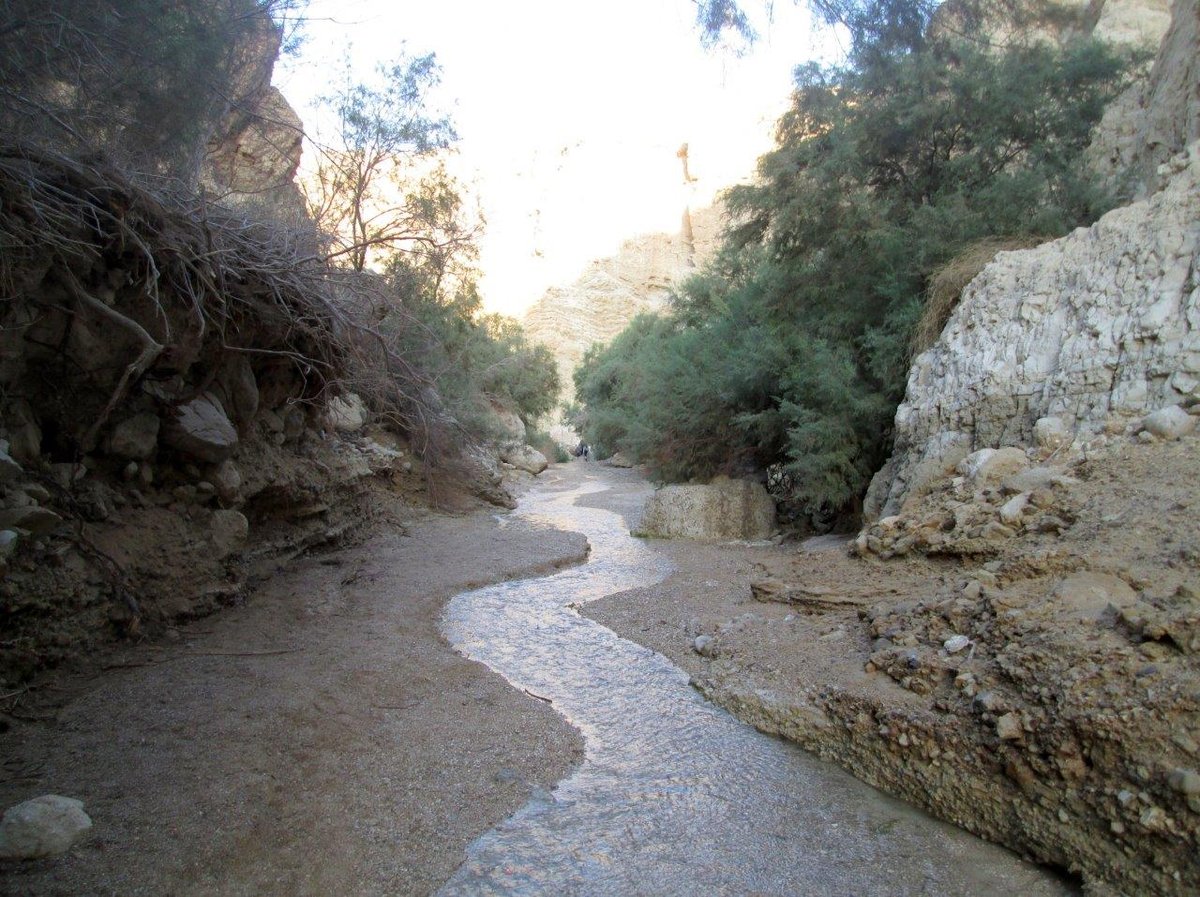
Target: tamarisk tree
pixel 367 192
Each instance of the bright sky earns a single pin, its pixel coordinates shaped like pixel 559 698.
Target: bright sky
pixel 570 114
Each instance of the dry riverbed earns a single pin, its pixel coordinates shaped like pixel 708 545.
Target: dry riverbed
pixel 322 739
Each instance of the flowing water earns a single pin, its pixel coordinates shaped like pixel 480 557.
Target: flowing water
pixel 675 796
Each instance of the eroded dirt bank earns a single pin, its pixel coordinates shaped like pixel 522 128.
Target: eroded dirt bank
pixel 323 739
pixel 1063 720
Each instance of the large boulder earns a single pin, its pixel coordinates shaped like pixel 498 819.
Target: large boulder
pixel 722 509
pixel 201 428
pixel 524 457
pixel 508 425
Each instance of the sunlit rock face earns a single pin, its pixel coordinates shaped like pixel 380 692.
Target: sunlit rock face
pixel 1158 115
pixel 252 157
pixel 1141 22
pixel 614 290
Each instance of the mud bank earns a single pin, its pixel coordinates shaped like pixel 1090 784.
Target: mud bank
pixel 321 739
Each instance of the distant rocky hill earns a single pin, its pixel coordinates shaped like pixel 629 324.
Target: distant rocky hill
pixel 614 290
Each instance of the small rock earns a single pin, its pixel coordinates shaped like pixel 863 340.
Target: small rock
pixel 955 643
pixel 8 543
pixel 24 434
pixel 36 491
pixel 1171 422
pixel 996 531
pixel 130 471
pixel 1051 433
pixel 228 531
pixel 347 414
pixel 33 519
pixel 135 438
pixel 1008 727
pixel 705 645
pixel 42 827
pixel 1185 781
pixel 1014 508
pixel 228 480
pixel 9 469
pixel 988 701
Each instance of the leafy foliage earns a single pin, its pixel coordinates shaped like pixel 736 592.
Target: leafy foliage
pixel 367 192
pixel 792 347
pixel 142 81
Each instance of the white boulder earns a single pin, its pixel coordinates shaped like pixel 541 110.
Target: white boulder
pixel 202 429
pixel 1171 422
pixel 41 827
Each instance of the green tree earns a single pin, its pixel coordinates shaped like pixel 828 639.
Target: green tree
pixel 362 193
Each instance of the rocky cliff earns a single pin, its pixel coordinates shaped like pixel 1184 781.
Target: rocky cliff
pixel 252 156
pixel 614 290
pixel 1159 115
pixel 1096 328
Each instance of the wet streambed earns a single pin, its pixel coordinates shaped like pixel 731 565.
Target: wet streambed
pixel 675 796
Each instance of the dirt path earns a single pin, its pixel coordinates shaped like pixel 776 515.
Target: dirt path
pixel 321 740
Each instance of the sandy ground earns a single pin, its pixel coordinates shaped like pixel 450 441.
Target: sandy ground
pixel 322 739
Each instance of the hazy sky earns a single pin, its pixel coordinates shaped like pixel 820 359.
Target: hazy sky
pixel 570 113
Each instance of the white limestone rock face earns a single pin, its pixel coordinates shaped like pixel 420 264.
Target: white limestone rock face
pixel 41 827
pixel 612 291
pixel 722 509
pixel 1102 323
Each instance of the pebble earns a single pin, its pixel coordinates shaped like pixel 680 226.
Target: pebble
pixel 1008 727
pixel 1185 781
pixel 8 543
pixel 955 643
pixel 704 646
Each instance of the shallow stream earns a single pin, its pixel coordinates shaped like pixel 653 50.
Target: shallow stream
pixel 675 796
